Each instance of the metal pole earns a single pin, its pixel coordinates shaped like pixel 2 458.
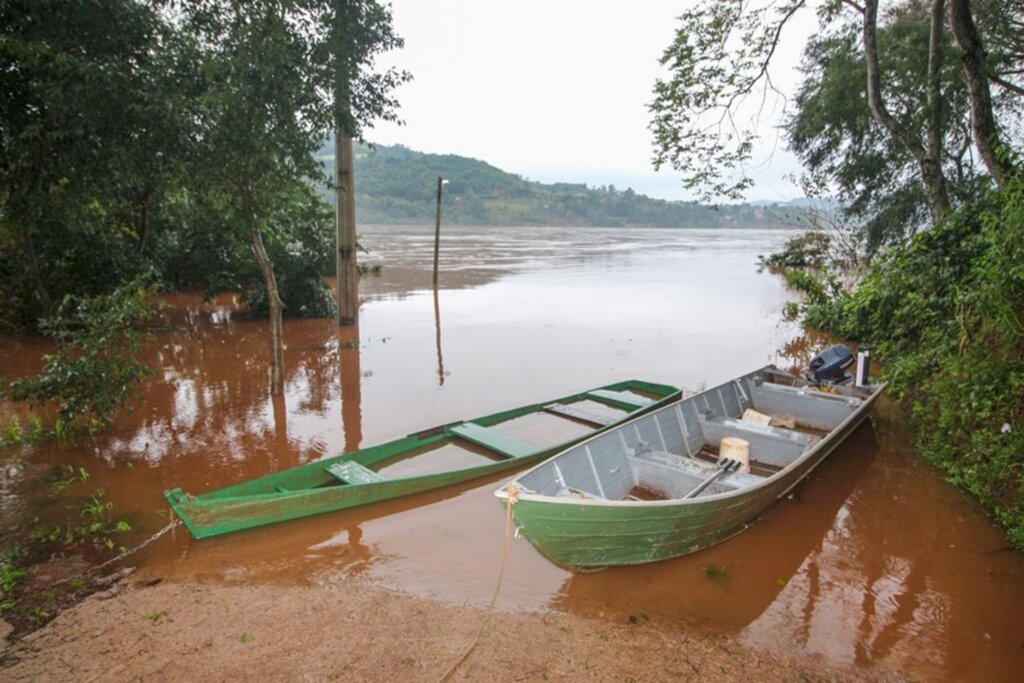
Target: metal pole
pixel 437 228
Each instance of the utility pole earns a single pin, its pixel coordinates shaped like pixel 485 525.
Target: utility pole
pixel 347 277
pixel 441 182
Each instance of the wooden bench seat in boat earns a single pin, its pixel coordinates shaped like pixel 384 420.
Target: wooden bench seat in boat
pixel 580 414
pixel 769 445
pixel 670 465
pixel 626 399
pixel 351 472
pixel 811 408
pixel 494 440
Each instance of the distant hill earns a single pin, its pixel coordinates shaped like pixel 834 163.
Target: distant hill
pixel 395 184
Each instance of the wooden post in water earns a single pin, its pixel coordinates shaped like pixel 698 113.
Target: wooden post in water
pixel 347 276
pixel 441 182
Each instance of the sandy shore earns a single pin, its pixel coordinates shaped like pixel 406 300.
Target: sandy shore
pixel 187 631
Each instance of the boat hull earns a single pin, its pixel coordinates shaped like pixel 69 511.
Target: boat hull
pixel 590 534
pixel 311 489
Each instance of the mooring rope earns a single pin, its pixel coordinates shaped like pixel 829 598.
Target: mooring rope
pixel 127 553
pixel 131 551
pixel 513 497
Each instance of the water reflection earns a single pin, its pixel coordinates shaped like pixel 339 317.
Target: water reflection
pixel 351 386
pixel 733 583
pixel 437 328
pixel 875 559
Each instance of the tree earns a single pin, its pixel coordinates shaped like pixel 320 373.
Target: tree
pixel 719 77
pixel 977 74
pixel 91 136
pixel 718 60
pixel 838 139
pixel 355 31
pixel 260 122
pixel 269 68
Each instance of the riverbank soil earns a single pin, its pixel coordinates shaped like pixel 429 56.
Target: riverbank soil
pixel 189 631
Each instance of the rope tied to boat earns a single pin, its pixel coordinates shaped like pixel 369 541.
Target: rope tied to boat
pixel 130 551
pixel 512 491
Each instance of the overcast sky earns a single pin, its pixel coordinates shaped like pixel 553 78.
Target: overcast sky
pixel 553 90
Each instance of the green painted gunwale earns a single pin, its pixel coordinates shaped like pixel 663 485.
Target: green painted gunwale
pixel 309 489
pixel 591 534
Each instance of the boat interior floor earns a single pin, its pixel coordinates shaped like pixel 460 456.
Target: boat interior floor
pixel 673 453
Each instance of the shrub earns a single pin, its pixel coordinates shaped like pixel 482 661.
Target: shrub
pixel 945 314
pixel 94 371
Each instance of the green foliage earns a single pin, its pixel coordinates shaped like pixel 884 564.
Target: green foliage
pixel 163 146
pixel 12 571
pixel 946 316
pixel 69 476
pixel 809 250
pixel 833 133
pixel 718 96
pixel 300 242
pixel 717 58
pixel 397 185
pixel 94 526
pixel 94 371
pixel 88 524
pixel 93 124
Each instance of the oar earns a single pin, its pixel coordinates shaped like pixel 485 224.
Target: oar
pixel 724 467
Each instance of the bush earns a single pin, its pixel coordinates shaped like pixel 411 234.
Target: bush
pixel 945 314
pixel 94 371
pixel 809 250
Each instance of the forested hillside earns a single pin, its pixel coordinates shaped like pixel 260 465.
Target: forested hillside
pixel 398 185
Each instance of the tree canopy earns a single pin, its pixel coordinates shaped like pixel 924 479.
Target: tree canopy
pixel 162 138
pixel 904 111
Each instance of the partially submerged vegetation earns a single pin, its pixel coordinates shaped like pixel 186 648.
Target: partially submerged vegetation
pixel 908 115
pixel 946 313
pixel 46 568
pixel 94 371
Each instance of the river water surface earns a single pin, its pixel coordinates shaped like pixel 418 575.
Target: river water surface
pixel 874 560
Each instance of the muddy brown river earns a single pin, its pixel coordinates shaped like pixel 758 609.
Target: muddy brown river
pixel 874 560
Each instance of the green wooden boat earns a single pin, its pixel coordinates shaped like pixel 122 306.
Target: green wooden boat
pixel 655 487
pixel 419 462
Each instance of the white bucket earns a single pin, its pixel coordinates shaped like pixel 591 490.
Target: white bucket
pixel 737 449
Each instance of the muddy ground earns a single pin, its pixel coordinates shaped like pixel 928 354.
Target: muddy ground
pixel 188 631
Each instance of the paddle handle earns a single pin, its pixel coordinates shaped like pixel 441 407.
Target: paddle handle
pixel 724 467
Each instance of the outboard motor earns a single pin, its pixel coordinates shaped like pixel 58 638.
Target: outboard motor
pixel 829 367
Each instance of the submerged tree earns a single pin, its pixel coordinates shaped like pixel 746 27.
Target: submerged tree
pixel 258 128
pixel 265 111
pixel 91 138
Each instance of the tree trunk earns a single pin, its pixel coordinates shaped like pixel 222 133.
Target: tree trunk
pixel 931 166
pixel 347 274
pixel 345 17
pixel 983 123
pixel 275 306
pixel 929 158
pixel 32 271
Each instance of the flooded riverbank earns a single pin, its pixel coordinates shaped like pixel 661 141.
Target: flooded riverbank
pixel 874 560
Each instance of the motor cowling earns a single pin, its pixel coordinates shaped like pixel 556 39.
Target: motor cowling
pixel 830 366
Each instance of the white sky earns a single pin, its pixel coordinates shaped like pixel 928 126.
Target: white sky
pixel 554 90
